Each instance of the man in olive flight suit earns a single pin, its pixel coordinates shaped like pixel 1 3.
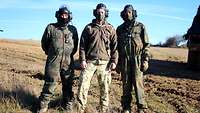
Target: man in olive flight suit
pixel 133 48
pixel 98 55
pixel 59 42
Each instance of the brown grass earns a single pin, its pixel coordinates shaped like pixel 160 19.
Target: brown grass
pixel 170 87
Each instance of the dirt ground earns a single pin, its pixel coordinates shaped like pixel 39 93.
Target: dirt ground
pixel 170 86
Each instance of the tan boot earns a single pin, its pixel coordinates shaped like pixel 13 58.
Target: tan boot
pixel 104 110
pixel 142 111
pixel 77 108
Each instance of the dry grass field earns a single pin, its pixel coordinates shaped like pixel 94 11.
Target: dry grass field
pixel 170 87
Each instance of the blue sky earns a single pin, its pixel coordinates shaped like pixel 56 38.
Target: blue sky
pixel 27 19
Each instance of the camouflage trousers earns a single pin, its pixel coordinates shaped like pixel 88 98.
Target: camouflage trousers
pixel 133 82
pixel 51 77
pixel 100 69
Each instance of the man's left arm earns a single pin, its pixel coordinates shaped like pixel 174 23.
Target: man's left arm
pixel 75 39
pixel 75 42
pixel 113 48
pixel 145 51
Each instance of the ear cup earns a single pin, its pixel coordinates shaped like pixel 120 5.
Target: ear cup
pixel 94 12
pixel 135 13
pixel 122 14
pixel 57 14
pixel 106 13
pixel 70 16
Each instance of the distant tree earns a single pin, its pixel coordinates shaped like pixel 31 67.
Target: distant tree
pixel 158 45
pixel 173 41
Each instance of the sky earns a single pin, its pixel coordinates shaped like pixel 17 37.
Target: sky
pixel 27 19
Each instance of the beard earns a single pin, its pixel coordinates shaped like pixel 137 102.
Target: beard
pixel 128 18
pixel 100 17
pixel 62 21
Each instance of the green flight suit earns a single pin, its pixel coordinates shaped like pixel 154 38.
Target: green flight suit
pixel 133 48
pixel 59 44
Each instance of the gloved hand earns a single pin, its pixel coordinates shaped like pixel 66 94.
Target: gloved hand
pixel 144 66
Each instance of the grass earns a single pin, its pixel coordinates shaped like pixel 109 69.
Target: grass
pixel 168 91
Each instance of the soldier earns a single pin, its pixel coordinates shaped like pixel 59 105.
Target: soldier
pixel 133 48
pixel 59 42
pixel 98 55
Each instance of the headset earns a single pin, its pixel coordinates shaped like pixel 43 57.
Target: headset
pixel 98 7
pixel 64 9
pixel 134 12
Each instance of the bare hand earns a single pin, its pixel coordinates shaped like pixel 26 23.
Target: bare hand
pixel 112 66
pixel 144 66
pixel 83 64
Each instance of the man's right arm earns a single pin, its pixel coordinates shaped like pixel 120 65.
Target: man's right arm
pixel 45 40
pixel 146 50
pixel 118 67
pixel 82 49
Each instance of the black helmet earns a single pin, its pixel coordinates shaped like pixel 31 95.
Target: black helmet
pixel 100 5
pixel 62 10
pixel 128 6
pixel 122 14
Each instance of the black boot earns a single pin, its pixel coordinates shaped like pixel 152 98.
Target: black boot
pixel 43 107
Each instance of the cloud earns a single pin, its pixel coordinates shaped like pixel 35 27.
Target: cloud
pixel 144 9
pixel 162 11
pixel 166 16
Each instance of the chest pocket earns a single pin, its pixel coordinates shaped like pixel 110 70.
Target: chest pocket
pixel 57 41
pixel 68 42
pixel 137 40
pixel 106 37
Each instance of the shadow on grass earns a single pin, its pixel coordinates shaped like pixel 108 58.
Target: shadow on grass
pixel 172 69
pixel 22 97
pixel 26 100
pixel 39 76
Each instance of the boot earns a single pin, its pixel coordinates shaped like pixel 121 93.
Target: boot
pixel 68 106
pixel 77 108
pixel 142 108
pixel 142 111
pixel 104 111
pixel 126 111
pixel 43 107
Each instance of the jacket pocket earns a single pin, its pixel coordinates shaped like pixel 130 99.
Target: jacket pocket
pixel 137 42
